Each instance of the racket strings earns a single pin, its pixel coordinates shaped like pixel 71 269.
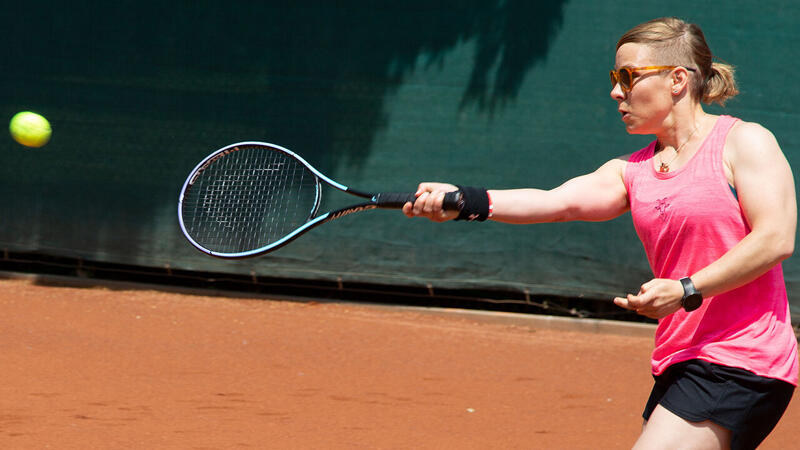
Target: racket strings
pixel 248 199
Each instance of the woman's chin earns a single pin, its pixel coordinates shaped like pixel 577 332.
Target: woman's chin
pixel 635 128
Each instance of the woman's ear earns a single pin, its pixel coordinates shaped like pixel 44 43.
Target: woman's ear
pixel 680 80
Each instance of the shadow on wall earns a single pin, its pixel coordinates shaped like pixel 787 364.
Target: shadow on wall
pixel 135 88
pixel 316 73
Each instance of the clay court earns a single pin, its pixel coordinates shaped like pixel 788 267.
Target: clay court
pixel 121 366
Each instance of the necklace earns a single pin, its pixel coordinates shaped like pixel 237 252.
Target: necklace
pixel 665 166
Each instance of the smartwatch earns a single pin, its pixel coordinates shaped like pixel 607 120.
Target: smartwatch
pixel 692 299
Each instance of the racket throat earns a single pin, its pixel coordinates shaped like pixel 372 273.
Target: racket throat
pixel 350 210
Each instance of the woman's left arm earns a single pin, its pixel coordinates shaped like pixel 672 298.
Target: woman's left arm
pixel 765 186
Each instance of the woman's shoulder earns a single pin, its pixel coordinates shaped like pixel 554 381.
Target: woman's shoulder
pixel 749 130
pixel 750 143
pixel 750 137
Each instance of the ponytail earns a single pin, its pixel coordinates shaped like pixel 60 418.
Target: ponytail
pixel 720 85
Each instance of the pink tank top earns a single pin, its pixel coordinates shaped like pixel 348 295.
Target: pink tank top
pixel 687 219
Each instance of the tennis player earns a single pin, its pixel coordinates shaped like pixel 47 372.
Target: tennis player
pixel 713 201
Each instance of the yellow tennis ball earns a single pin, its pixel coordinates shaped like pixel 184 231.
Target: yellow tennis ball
pixel 30 129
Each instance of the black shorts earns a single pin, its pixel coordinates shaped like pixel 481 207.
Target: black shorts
pixel 747 404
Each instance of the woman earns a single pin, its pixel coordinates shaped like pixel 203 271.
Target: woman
pixel 712 199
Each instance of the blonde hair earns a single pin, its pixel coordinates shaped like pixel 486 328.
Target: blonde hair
pixel 679 43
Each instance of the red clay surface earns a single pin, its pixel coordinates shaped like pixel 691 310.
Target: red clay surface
pixel 126 368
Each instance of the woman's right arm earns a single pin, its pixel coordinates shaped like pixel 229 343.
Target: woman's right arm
pixel 600 195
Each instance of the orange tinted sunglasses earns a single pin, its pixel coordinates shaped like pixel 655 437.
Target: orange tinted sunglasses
pixel 626 75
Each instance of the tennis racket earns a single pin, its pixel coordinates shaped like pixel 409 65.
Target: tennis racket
pixel 251 198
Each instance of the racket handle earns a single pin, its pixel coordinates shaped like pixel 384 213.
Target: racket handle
pixel 396 200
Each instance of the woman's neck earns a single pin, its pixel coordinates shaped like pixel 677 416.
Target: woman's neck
pixel 681 127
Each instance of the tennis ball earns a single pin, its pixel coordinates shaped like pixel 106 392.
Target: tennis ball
pixel 30 129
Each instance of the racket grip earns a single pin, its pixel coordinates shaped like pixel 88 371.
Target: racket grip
pixel 396 200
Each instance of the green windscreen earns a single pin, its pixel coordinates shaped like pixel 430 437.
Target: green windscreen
pixel 376 95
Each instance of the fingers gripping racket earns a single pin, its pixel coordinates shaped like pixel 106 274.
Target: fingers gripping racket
pixel 251 198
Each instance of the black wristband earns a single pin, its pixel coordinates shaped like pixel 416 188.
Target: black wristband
pixel 474 204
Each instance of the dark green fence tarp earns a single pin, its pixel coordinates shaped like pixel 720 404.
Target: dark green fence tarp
pixel 378 95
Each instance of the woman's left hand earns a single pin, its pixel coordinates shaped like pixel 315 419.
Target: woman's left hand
pixel 656 299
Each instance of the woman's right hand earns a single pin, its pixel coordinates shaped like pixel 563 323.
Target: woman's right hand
pixel 429 202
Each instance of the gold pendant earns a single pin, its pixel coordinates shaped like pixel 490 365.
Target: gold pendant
pixel 663 168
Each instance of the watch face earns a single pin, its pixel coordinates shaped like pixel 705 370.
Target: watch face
pixel 692 302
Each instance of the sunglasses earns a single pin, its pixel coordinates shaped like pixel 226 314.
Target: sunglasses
pixel 626 75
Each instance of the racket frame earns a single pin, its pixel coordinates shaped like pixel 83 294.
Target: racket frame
pixel 373 202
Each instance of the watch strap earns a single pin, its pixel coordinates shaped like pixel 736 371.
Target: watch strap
pixel 688 287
